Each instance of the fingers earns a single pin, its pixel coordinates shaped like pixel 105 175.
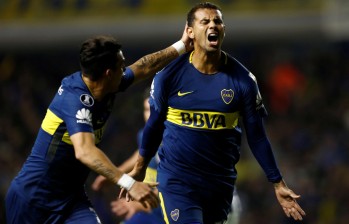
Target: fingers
pixel 299 209
pixel 294 196
pixel 150 201
pixel 122 193
pixel 294 211
pixel 145 193
pixel 128 197
pixel 119 209
pixel 97 184
pixel 287 212
pixel 153 184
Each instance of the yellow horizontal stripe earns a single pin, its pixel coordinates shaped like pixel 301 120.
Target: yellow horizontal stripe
pixel 51 122
pixel 203 119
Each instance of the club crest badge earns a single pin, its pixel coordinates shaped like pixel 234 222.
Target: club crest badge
pixel 175 214
pixel 227 95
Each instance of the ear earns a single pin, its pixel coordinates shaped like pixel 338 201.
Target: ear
pixel 190 32
pixel 108 73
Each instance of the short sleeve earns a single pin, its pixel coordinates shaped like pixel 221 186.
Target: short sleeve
pixel 127 79
pixel 158 94
pixel 76 110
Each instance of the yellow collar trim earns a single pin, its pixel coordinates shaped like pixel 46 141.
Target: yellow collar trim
pixel 225 57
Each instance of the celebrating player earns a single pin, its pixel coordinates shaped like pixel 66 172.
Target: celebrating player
pixel 197 102
pixel 50 186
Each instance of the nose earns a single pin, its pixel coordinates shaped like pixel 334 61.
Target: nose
pixel 212 23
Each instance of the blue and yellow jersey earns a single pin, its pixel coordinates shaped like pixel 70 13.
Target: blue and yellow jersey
pixel 52 176
pixel 202 134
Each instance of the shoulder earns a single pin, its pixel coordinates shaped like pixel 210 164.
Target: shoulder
pixel 167 73
pixel 74 83
pixel 244 73
pixel 235 64
pixel 72 93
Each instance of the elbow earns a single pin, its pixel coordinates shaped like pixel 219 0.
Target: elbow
pixel 80 155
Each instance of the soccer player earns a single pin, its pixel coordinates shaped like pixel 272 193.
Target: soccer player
pixel 50 186
pixel 197 103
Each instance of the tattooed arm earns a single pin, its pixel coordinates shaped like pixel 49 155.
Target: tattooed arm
pixel 148 65
pixel 94 158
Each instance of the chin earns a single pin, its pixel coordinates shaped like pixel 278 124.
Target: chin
pixel 213 49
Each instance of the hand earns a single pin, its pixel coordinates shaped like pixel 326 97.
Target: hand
pixel 126 209
pixel 186 40
pixel 144 193
pixel 99 182
pixel 287 199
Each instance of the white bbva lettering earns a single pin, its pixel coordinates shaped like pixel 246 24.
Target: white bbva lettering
pixel 202 119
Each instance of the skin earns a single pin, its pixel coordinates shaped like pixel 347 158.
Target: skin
pixel 84 143
pixel 207 54
pixel 207 59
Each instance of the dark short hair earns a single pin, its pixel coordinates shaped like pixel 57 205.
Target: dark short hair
pixel 98 54
pixel 203 5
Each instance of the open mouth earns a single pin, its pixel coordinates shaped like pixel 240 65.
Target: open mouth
pixel 213 37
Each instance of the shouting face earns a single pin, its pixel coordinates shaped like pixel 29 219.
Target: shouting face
pixel 208 30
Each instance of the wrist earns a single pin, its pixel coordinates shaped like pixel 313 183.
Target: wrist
pixel 126 182
pixel 180 47
pixel 279 183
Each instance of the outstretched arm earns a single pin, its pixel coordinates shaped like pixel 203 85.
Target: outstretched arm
pixel 148 65
pixel 261 149
pixel 125 167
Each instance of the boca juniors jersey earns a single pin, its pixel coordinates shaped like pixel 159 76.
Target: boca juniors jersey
pixel 52 176
pixel 202 136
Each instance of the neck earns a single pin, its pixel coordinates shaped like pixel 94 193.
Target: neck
pixel 207 63
pixel 95 87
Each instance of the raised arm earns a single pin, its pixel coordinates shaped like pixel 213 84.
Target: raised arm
pixel 148 65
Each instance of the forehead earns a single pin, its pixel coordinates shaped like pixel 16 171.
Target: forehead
pixel 207 13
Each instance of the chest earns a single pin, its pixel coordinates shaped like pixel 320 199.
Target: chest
pixel 193 90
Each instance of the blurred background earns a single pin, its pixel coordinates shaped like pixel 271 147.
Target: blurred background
pixel 297 49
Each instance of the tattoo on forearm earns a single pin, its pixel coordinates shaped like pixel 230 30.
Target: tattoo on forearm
pixel 156 61
pixel 100 168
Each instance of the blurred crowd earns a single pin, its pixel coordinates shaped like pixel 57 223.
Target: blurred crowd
pixel 304 87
